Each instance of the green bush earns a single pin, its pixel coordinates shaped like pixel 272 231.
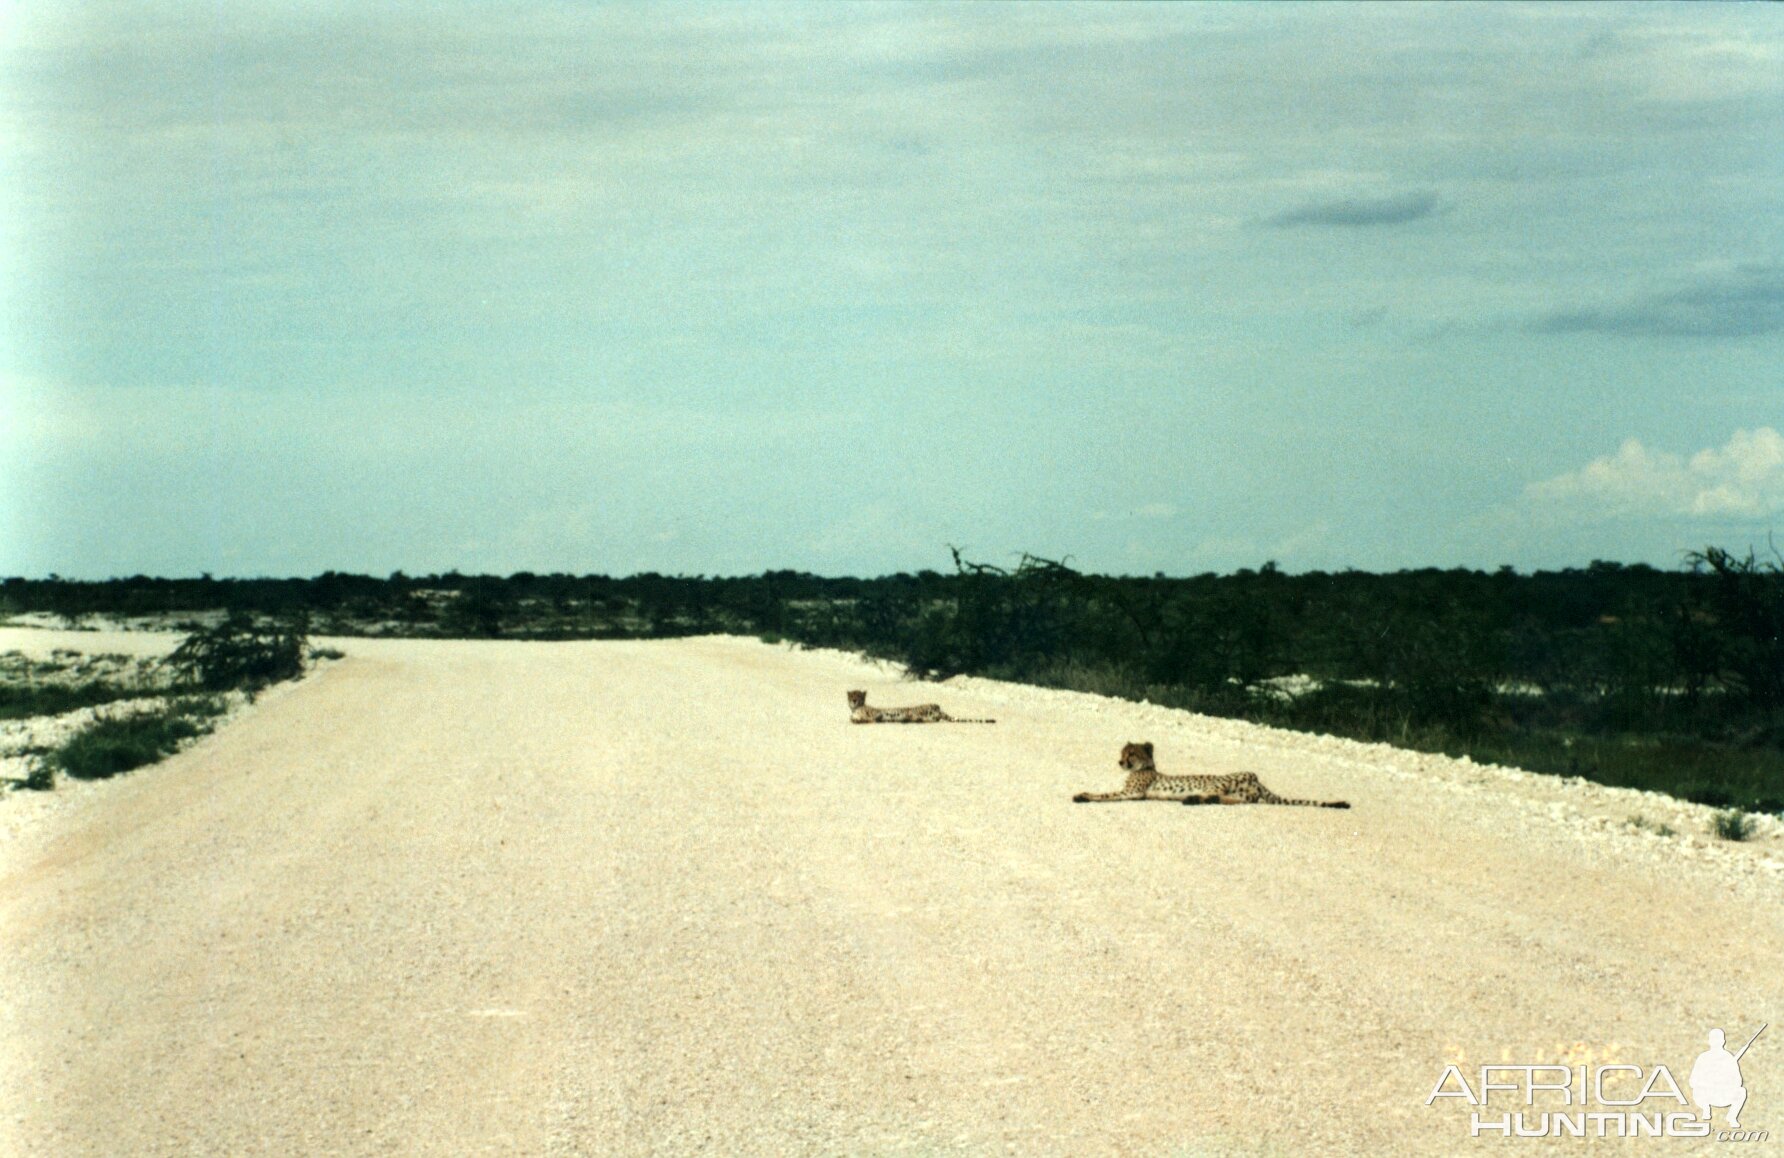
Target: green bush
pixel 1733 825
pixel 112 745
pixel 238 653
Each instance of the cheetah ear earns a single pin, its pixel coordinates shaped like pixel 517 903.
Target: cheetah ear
pixel 1148 746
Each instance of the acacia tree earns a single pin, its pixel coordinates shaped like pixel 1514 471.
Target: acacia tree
pixel 1746 613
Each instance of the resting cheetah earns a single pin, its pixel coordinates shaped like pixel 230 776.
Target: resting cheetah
pixel 1144 783
pixel 860 713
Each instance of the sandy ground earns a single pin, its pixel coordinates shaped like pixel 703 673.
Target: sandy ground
pixel 660 898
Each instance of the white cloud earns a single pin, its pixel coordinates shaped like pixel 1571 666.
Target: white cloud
pixel 1743 479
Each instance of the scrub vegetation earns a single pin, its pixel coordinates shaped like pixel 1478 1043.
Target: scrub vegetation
pixel 1670 680
pixel 146 710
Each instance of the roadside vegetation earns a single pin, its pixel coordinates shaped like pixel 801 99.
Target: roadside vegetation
pixel 154 709
pixel 239 654
pixel 114 744
pixel 66 682
pixel 1668 680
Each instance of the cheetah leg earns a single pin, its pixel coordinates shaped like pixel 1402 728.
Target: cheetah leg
pixel 1201 798
pixel 1106 797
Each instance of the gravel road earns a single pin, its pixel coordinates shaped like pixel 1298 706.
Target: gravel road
pixel 660 898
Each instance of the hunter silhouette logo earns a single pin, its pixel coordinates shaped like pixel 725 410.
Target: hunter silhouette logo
pixel 1716 1078
pixel 1611 1100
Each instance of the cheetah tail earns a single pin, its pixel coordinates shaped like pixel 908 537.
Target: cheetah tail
pixel 1312 803
pixel 968 720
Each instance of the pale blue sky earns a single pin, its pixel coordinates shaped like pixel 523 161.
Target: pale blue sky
pixel 302 286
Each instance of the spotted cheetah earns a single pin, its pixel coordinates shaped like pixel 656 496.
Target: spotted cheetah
pixel 860 713
pixel 1144 783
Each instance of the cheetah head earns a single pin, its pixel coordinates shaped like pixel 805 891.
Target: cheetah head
pixel 857 699
pixel 1137 757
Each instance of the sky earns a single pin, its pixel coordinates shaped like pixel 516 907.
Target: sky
pixel 714 289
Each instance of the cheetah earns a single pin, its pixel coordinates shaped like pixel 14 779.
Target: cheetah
pixel 860 713
pixel 1144 783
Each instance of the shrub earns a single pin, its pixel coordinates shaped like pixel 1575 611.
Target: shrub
pixel 1646 825
pixel 1733 825
pixel 239 654
pixel 112 745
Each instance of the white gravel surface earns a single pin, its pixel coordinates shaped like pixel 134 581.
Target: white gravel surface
pixel 661 898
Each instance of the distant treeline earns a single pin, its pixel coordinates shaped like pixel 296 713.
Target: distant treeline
pixel 1631 674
